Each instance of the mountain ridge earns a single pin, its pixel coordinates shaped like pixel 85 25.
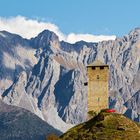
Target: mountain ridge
pixel 47 64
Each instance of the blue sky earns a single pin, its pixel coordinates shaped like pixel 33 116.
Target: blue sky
pixel 108 17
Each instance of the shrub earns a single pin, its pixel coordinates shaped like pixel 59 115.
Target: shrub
pixel 52 137
pixel 92 114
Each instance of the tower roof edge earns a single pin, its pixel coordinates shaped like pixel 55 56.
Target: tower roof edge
pixel 97 63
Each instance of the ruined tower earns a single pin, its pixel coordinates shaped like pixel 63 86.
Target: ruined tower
pixel 97 86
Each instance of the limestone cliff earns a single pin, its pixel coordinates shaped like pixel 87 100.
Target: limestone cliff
pixel 47 76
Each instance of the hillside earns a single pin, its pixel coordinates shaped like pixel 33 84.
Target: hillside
pixel 105 126
pixel 19 124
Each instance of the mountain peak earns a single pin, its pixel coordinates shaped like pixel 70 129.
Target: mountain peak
pixel 135 32
pixel 45 38
pixel 46 31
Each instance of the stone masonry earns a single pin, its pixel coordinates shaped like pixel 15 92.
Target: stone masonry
pixel 97 86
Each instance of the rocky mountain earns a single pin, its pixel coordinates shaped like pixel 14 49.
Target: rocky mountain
pixel 19 124
pixel 47 76
pixel 106 126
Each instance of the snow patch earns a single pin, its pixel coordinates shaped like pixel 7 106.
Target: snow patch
pixel 8 61
pixel 4 84
pixel 3 35
pixel 25 57
pixel 54 120
pixel 24 53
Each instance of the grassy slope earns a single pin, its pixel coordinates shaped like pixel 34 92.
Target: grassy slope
pixel 105 126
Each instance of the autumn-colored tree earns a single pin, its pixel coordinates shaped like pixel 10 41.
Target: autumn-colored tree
pixel 52 137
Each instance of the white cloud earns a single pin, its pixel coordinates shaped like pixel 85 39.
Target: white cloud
pixel 28 28
pixel 88 37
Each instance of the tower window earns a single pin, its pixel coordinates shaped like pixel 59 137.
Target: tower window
pixel 86 83
pixel 97 76
pixel 101 67
pixel 93 68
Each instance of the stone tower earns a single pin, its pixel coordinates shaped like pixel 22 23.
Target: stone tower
pixel 97 86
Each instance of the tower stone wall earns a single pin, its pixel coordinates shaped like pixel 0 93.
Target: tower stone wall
pixel 97 86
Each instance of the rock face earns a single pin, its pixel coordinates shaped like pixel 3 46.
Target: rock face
pixel 107 126
pixel 47 76
pixel 19 124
